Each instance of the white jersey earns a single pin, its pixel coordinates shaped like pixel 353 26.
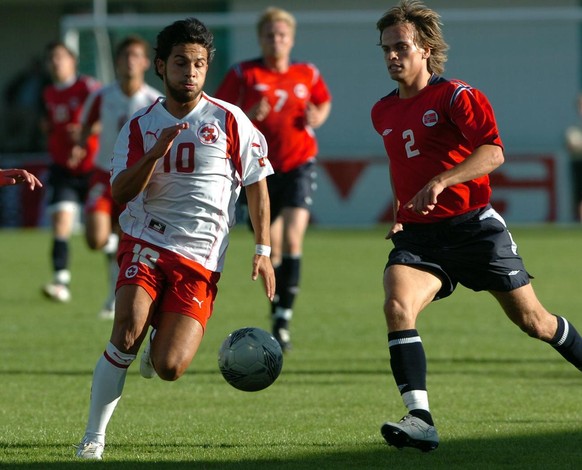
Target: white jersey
pixel 112 107
pixel 188 205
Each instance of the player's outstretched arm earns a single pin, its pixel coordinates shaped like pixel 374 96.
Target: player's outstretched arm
pixel 260 214
pixel 18 176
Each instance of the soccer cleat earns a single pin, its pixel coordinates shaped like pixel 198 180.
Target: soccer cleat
pixel 106 314
pixel 282 334
pixel 146 368
pixel 57 292
pixel 411 431
pixel 108 311
pixel 90 450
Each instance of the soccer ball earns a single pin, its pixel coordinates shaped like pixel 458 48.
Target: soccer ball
pixel 250 359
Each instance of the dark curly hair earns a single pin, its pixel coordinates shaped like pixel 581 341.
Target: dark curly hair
pixel 188 31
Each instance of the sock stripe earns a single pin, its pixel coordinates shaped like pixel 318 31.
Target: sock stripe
pixel 114 362
pixel 565 333
pixel 399 341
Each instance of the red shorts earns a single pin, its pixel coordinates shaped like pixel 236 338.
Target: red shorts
pixel 175 284
pixel 99 198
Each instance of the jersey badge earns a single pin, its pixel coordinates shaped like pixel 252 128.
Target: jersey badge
pixel 300 91
pixel 430 118
pixel 207 134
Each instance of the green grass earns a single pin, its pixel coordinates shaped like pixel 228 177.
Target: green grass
pixel 500 399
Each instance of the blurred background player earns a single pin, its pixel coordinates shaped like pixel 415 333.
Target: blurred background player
pixel 286 100
pixel 14 176
pixel 72 163
pixel 108 109
pixel 179 166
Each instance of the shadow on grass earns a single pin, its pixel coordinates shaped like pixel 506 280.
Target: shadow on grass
pixel 541 451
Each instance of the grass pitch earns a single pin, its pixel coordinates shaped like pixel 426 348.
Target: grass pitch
pixel 499 398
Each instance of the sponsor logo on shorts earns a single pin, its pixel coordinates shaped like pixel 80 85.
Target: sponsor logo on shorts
pixel 131 271
pixel 513 273
pixel 157 226
pixel 199 302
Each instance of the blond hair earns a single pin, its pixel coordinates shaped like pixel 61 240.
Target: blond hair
pixel 427 30
pixel 272 14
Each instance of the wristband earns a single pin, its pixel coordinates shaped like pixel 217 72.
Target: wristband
pixel 263 250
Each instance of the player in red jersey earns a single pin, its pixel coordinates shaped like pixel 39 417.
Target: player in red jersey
pixel 442 141
pixel 286 100
pixel 71 163
pixel 109 108
pixel 179 166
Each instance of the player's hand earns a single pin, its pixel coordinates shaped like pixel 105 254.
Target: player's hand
pixel 397 227
pixel 262 266
pixel 78 153
pixel 259 111
pixel 426 199
pixel 166 139
pixel 18 176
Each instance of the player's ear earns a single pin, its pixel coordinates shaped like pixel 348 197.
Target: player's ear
pixel 160 65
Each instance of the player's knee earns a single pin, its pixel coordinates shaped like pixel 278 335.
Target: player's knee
pixel 169 372
pixel 533 327
pixel 395 312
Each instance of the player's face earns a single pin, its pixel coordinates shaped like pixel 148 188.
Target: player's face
pixel 61 65
pixel 276 39
pixel 132 62
pixel 185 72
pixel 405 60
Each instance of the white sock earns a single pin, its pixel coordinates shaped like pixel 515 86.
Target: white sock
pixel 108 382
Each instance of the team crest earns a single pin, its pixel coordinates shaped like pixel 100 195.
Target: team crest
pixel 300 91
pixel 207 134
pixel 430 118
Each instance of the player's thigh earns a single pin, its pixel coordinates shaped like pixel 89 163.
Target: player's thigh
pixel 407 291
pixel 175 344
pixel 296 221
pixel 97 228
pixel 523 308
pixel 133 310
pixel 63 219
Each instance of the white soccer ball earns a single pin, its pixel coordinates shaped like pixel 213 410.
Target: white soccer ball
pixel 250 359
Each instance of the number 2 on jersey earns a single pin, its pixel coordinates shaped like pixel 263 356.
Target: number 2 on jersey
pixel 408 136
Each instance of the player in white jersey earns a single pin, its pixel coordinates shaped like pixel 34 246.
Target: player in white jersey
pixel 179 166
pixel 108 109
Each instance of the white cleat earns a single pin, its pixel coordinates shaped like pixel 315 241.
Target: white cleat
pixel 106 314
pixel 90 450
pixel 146 368
pixel 57 292
pixel 411 431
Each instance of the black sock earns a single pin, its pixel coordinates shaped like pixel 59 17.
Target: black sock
pixel 568 343
pixel 288 281
pixel 407 360
pixel 424 415
pixel 60 254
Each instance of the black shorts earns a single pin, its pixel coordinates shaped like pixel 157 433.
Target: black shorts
pixel 66 186
pixel 292 189
pixel 473 249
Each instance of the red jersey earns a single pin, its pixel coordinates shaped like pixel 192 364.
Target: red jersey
pixel 291 141
pixel 431 133
pixel 63 108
